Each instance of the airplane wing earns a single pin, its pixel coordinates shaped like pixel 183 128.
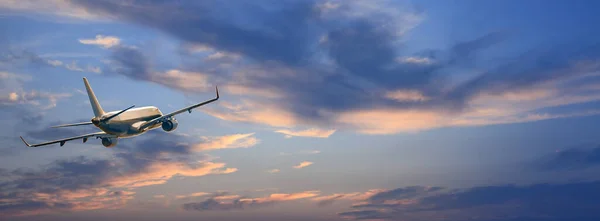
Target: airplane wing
pixel 167 116
pixel 62 141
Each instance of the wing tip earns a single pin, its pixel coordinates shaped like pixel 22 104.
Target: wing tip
pixel 217 91
pixel 29 145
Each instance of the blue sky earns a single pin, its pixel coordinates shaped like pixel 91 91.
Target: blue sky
pixel 329 110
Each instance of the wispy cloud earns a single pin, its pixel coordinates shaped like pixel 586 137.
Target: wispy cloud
pixel 301 152
pixel 153 161
pixel 488 202
pixel 313 132
pixel 273 171
pixel 102 41
pixel 44 100
pixel 63 8
pixel 355 196
pixel 303 164
pixel 227 142
pixel 218 203
pixel 74 67
pixel 584 157
pixel 191 195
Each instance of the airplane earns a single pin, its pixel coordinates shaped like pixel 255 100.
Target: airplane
pixel 129 122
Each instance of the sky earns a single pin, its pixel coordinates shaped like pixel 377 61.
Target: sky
pixel 330 110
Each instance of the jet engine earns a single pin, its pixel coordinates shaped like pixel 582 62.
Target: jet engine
pixel 109 142
pixel 169 125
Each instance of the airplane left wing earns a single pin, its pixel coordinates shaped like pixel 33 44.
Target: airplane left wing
pixel 62 141
pixel 167 116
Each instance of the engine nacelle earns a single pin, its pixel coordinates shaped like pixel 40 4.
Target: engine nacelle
pixel 109 142
pixel 170 125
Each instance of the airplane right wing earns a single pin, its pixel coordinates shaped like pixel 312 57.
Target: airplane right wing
pixel 169 115
pixel 62 141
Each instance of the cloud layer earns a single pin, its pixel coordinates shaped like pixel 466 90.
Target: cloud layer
pixel 83 183
pixel 348 70
pixel 543 202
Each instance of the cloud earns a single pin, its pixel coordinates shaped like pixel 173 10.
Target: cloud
pixel 571 159
pixel 406 96
pixel 74 67
pixel 131 62
pixel 416 60
pixel 356 196
pixel 15 57
pixel 253 112
pixel 347 75
pixel 217 204
pixel 62 8
pixel 227 142
pixel 273 171
pixel 303 164
pixel 301 152
pixel 33 97
pixel 187 81
pixel 159 173
pixel 509 202
pixel 84 183
pixel 103 41
pixel 191 195
pixel 313 132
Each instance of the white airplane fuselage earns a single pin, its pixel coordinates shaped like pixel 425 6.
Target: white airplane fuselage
pixel 127 124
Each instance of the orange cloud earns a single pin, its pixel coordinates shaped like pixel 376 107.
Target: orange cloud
pixel 385 121
pixel 240 89
pixel 407 95
pixel 314 132
pixel 355 196
pixel 486 108
pixel 254 112
pixel 276 197
pixel 160 172
pixel 198 194
pixel 227 142
pixel 187 81
pixel 78 200
pixel 303 164
pixel 227 197
pixel 101 40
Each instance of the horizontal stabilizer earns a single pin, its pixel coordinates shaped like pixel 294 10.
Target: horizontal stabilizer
pixel 71 125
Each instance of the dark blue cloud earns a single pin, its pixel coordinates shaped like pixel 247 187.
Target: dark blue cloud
pixel 284 36
pixel 402 193
pixel 130 62
pixel 20 188
pixel 255 29
pixel 572 201
pixel 571 159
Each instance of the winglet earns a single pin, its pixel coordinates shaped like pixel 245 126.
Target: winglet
pixel 29 145
pixel 217 90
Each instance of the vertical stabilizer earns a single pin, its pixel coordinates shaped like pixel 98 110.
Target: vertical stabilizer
pixel 93 101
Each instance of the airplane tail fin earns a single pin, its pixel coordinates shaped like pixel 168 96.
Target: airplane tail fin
pixel 98 111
